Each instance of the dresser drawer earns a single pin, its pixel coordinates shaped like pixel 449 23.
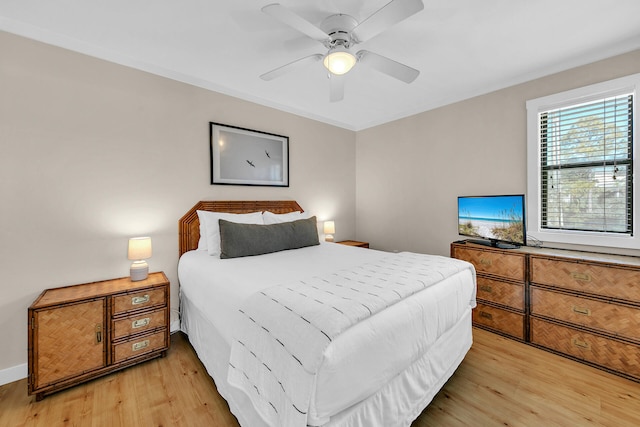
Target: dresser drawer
pixel 505 293
pixel 501 264
pixel 139 300
pixel 610 353
pixel 500 320
pixel 139 323
pixel 608 317
pixel 139 346
pixel 586 277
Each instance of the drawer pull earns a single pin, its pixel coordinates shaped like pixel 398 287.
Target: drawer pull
pixel 98 333
pixel 140 300
pixel 581 344
pixel 581 310
pixel 486 315
pixel 140 345
pixel 486 262
pixel 486 288
pixel 140 323
pixel 581 277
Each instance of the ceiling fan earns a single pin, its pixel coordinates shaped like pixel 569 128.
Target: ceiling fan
pixel 339 33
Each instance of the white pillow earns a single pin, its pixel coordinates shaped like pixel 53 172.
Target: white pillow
pixel 202 242
pixel 272 218
pixel 210 228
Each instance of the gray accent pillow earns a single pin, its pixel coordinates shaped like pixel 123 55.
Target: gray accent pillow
pixel 238 240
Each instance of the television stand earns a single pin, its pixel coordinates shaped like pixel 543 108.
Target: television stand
pixel 493 244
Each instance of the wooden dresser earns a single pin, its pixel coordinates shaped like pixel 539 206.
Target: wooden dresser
pixel 584 306
pixel 81 332
pixel 501 278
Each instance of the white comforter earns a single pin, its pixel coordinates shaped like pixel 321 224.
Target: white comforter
pixel 362 359
pixel 284 330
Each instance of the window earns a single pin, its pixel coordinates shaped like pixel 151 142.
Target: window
pixel 586 180
pixel 581 165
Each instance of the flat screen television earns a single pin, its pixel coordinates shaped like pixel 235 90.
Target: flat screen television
pixel 497 221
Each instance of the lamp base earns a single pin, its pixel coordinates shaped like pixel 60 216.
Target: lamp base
pixel 139 271
pixel 328 238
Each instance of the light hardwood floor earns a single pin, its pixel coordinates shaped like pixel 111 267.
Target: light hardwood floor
pixel 500 383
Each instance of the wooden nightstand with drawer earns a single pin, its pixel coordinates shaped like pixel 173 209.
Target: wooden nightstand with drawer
pixel 354 243
pixel 501 277
pixel 81 332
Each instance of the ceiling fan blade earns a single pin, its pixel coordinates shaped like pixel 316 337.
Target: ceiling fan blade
pixel 336 87
pixel 388 66
pixel 291 66
pixel 295 21
pixel 391 14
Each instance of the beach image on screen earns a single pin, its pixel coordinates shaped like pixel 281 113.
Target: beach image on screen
pixel 499 218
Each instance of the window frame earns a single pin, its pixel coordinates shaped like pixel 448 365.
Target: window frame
pixel 628 84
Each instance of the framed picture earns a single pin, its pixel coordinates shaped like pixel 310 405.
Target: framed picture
pixel 248 157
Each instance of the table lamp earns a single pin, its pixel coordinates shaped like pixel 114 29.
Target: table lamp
pixel 139 251
pixel 329 230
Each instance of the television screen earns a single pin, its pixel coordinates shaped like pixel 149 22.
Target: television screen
pixel 494 219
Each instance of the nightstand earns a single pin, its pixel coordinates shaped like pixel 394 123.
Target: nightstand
pixel 81 332
pixel 354 243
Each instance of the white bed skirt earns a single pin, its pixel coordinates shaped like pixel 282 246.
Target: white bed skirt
pixel 397 403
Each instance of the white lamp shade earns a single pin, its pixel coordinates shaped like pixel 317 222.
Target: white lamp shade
pixel 329 227
pixel 339 61
pixel 139 248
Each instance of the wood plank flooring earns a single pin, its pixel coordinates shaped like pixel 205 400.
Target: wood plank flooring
pixel 500 383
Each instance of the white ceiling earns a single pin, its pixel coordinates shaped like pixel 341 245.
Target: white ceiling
pixel 463 48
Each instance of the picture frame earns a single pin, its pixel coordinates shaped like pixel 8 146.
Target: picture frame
pixel 242 156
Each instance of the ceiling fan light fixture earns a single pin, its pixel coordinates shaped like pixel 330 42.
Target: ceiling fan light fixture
pixel 339 61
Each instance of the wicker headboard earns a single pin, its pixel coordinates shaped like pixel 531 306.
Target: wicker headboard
pixel 189 225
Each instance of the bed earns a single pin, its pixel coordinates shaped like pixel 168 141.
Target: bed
pixel 380 368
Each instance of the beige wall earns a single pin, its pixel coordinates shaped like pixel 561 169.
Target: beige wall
pixel 410 172
pixel 92 153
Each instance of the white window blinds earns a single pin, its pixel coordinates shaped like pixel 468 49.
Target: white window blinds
pixel 586 170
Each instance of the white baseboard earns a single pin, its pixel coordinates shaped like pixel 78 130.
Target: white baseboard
pixel 15 373
pixel 175 326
